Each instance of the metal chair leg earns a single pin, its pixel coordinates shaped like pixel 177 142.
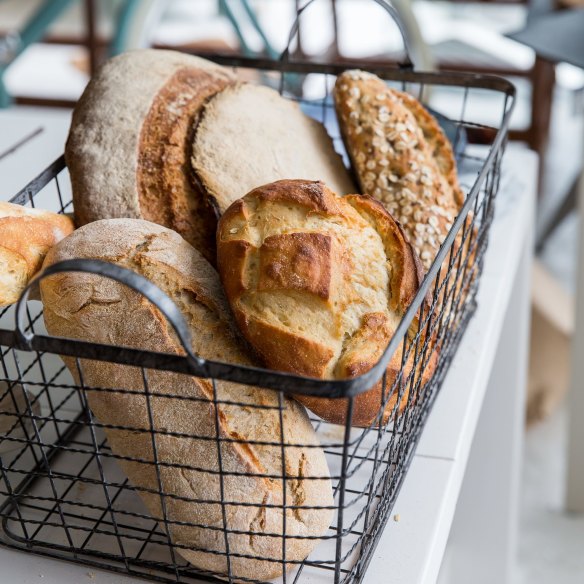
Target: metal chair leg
pixel 33 31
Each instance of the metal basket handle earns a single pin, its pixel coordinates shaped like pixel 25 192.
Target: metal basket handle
pixel 122 275
pixel 196 365
pixel 407 63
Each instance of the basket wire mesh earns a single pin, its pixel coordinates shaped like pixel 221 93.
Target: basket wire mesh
pixel 62 493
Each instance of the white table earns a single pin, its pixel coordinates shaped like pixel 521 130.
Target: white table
pixel 458 506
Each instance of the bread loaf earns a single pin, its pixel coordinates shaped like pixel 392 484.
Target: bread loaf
pixel 25 237
pixel 401 157
pixel 318 284
pixel 249 135
pixel 91 308
pixel 129 145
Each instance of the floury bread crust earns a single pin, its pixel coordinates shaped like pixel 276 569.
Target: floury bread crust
pixel 401 157
pixel 249 135
pixel 318 284
pixel 91 308
pixel 129 145
pixel 26 235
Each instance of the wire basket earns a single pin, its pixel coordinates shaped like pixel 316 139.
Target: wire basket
pixel 63 494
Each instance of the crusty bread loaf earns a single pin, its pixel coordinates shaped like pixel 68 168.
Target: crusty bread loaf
pixel 129 146
pixel 25 237
pixel 318 284
pixel 249 135
pixel 401 157
pixel 91 308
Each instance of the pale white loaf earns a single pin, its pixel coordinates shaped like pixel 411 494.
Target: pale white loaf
pixel 249 135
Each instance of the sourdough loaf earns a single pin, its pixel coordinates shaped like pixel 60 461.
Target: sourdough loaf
pixel 92 308
pixel 249 135
pixel 401 157
pixel 26 235
pixel 318 284
pixel 129 145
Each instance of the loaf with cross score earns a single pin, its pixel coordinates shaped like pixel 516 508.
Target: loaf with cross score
pixel 318 284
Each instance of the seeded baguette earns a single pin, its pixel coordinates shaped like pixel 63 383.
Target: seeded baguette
pixel 401 157
pixel 92 308
pixel 318 284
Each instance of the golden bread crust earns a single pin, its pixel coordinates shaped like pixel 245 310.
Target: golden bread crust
pixel 317 284
pixel 26 235
pixel 297 261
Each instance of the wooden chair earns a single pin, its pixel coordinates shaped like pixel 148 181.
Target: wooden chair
pixel 541 77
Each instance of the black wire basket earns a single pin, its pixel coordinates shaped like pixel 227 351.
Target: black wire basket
pixel 63 495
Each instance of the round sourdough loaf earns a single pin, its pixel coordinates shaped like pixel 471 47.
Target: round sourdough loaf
pixel 318 284
pixel 249 135
pixel 92 308
pixel 401 157
pixel 129 145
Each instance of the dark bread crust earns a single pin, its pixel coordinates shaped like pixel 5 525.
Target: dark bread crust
pixel 168 193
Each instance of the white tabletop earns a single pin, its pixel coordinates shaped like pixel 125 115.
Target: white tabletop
pixel 414 546
pixel 410 549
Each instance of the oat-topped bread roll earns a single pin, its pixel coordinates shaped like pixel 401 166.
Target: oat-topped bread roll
pixel 129 145
pixel 26 235
pixel 92 308
pixel 249 135
pixel 401 157
pixel 318 284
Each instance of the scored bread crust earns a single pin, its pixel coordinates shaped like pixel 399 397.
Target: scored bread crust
pixel 401 157
pixel 129 145
pixel 318 284
pixel 250 135
pixel 92 308
pixel 26 235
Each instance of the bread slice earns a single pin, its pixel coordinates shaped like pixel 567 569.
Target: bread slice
pixel 318 284
pixel 129 145
pixel 26 235
pixel 249 135
pixel 92 308
pixel 401 157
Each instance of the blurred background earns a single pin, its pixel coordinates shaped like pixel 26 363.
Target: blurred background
pixel 48 50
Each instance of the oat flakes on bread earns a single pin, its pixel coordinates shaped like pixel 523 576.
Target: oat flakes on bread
pixel 129 145
pixel 249 135
pixel 26 235
pixel 401 157
pixel 92 308
pixel 318 284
